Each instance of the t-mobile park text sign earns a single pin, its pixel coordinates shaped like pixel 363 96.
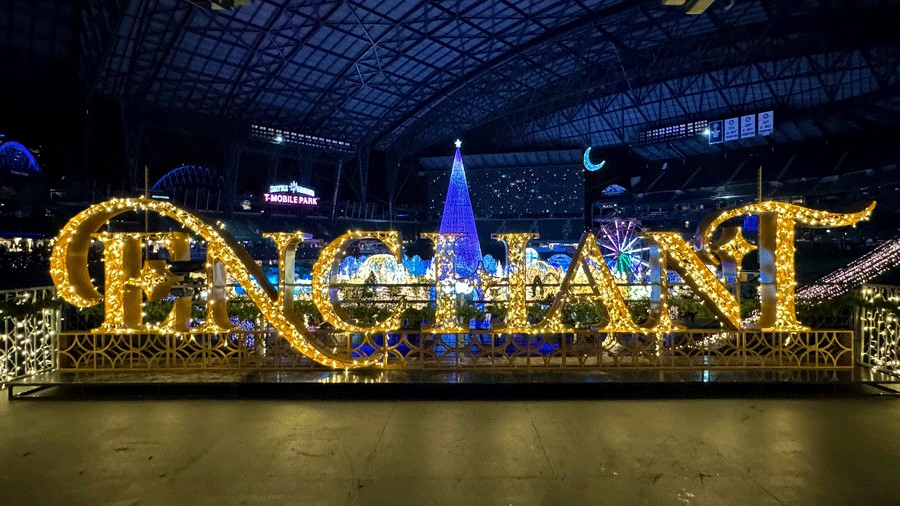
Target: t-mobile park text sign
pixel 291 194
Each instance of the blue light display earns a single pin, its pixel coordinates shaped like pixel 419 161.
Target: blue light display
pixel 17 159
pixel 301 274
pixel 613 190
pixel 592 166
pixel 415 265
pixel 350 265
pixel 188 176
pixel 490 264
pixel 458 218
pixel 561 261
pixel 751 223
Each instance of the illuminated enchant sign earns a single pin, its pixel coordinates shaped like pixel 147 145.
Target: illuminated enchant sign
pixel 128 278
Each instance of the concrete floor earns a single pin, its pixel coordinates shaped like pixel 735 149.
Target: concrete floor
pixel 776 451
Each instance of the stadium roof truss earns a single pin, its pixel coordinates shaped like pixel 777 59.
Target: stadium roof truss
pixel 404 75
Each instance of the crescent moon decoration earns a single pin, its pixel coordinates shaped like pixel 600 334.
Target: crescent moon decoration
pixel 592 166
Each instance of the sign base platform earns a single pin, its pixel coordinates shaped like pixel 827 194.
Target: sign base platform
pixel 474 384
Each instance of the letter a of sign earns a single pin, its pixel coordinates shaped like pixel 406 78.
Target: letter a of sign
pixel 602 287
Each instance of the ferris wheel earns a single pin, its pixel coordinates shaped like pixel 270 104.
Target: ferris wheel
pixel 627 254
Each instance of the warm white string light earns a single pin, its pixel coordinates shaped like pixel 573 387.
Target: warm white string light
pixel 863 269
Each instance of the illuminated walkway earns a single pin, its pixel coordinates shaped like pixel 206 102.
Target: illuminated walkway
pixel 736 451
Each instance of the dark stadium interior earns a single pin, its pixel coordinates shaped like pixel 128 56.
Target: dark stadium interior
pixel 103 89
pixel 108 96
pixel 562 118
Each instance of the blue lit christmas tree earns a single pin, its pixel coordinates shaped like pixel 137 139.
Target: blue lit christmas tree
pixel 458 218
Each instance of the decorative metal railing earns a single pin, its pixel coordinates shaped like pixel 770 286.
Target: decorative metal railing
pixel 878 327
pixel 694 349
pixel 32 342
pixel 30 324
